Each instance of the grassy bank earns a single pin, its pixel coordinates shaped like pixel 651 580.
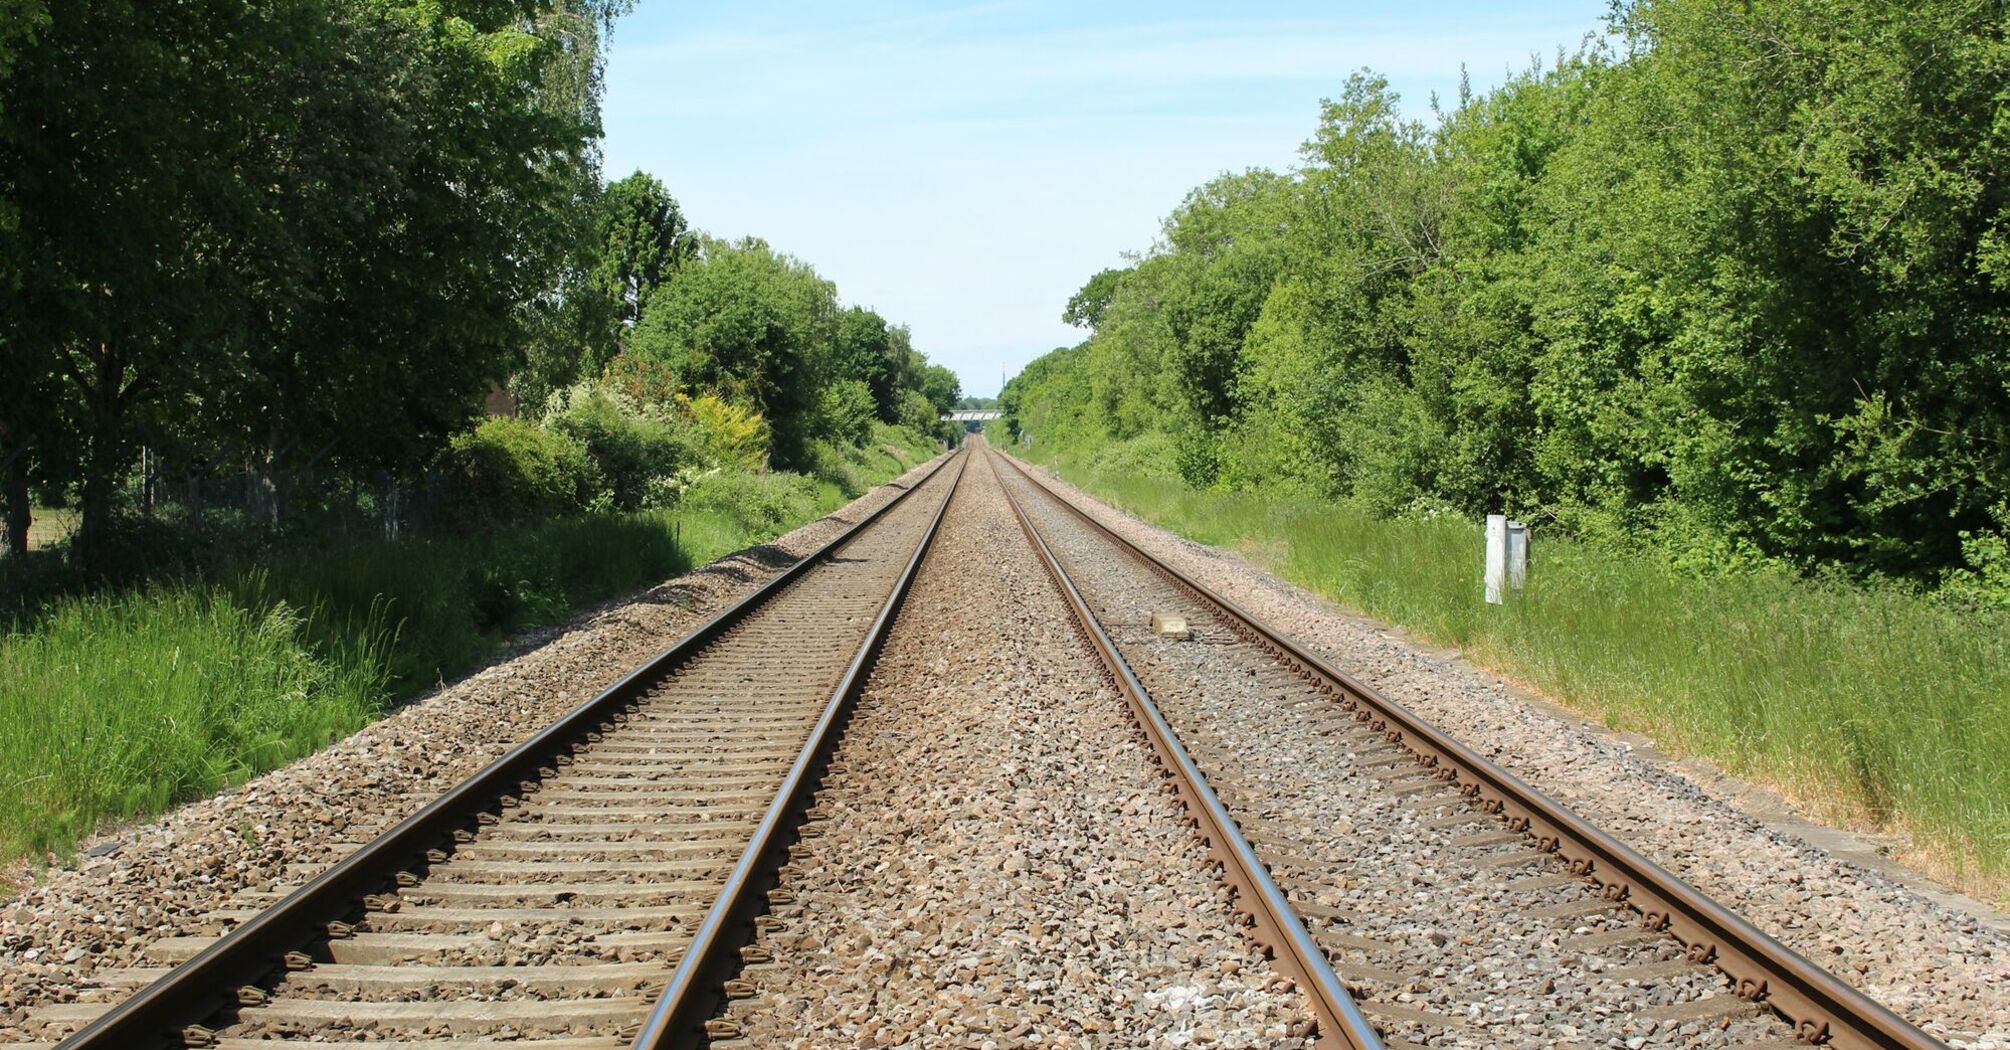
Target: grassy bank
pixel 119 705
pixel 1875 704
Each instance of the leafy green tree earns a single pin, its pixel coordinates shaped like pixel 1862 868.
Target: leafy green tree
pixel 283 235
pixel 120 239
pixel 874 353
pixel 1085 308
pixel 752 325
pixel 641 240
pixel 941 387
pixel 1735 277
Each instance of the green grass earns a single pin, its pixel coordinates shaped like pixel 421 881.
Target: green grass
pixel 120 705
pixel 1875 703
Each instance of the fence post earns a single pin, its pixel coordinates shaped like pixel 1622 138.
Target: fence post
pixel 1497 556
pixel 1517 554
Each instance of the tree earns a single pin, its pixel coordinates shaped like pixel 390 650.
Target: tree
pixel 1736 278
pixel 641 240
pixel 283 234
pixel 941 387
pixel 863 353
pixel 1085 308
pixel 122 251
pixel 752 325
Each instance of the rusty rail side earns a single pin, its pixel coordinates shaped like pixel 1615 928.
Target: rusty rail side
pixel 695 988
pixel 1278 927
pixel 162 1012
pixel 1822 1008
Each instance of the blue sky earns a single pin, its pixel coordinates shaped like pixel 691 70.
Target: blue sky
pixel 963 168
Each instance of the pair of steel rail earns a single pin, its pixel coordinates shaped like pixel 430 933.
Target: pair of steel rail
pixel 1822 1009
pixel 193 992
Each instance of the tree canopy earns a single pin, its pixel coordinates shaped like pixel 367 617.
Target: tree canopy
pixel 1734 276
pixel 308 240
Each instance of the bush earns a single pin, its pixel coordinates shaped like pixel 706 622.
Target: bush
pixel 918 414
pixel 1153 454
pixel 767 501
pixel 507 469
pixel 1985 581
pixel 629 445
pixel 847 411
pixel 887 452
pixel 731 437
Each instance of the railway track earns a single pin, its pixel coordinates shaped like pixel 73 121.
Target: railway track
pixel 1419 894
pixel 603 885
pixel 593 888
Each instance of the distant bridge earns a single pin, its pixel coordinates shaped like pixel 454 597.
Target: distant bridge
pixel 972 415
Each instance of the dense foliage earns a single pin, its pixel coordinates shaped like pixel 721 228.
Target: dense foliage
pixel 282 241
pixel 1736 277
pixel 305 242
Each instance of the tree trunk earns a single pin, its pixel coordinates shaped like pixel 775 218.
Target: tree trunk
pixel 102 462
pixel 193 499
pixel 14 496
pixel 388 505
pixel 149 466
pixel 95 504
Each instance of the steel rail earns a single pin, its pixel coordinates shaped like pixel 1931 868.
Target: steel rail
pixel 692 996
pixel 1823 1009
pixel 210 981
pixel 1278 927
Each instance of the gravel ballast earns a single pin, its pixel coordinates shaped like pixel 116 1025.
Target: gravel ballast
pixel 1945 968
pixel 995 861
pixel 1448 931
pixel 998 863
pixel 135 894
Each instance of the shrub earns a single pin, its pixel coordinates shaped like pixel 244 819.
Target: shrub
pixel 506 468
pixel 767 501
pixel 847 411
pixel 1985 581
pixel 628 444
pixel 1149 455
pixel 918 414
pixel 732 437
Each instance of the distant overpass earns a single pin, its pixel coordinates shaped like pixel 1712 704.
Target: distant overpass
pixel 972 415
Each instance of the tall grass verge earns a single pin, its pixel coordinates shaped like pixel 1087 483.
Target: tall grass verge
pixel 1876 704
pixel 119 705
